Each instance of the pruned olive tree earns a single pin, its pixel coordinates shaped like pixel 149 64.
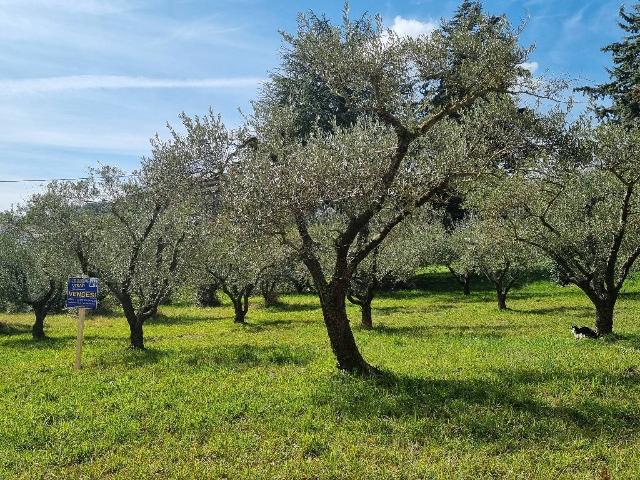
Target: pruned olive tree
pixel 121 230
pixel 237 261
pixel 394 260
pixel 486 247
pixel 136 232
pixel 581 210
pixel 31 271
pixel 393 155
pixel 448 249
pixel 207 294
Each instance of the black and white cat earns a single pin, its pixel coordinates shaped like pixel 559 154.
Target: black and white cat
pixel 583 332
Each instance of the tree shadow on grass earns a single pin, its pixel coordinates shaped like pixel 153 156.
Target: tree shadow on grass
pixel 293 307
pixel 129 357
pixel 246 356
pixel 162 319
pixel 476 331
pixel 575 311
pixel 9 330
pixel 232 357
pixel 631 340
pixel 435 308
pixel 46 343
pixel 503 410
pixel 262 325
pixel 629 295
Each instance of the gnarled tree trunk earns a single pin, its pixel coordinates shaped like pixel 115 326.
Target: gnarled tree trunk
pixel 466 285
pixel 269 293
pixel 207 296
pixel 240 312
pixel 464 279
pixel 604 315
pixel 334 312
pixel 240 301
pixel 502 299
pixel 136 334
pixel 367 321
pixel 604 302
pixel 37 331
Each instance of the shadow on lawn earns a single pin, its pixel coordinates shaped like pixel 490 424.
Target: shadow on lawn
pixel 503 410
pixel 239 356
pixel 484 331
pixel 47 343
pixel 628 339
pixel 293 307
pixel 435 308
pixel 232 357
pixel 573 311
pixel 9 330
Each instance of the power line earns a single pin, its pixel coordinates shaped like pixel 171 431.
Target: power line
pixel 36 180
pixel 40 180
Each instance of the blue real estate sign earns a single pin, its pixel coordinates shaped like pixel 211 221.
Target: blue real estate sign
pixel 82 292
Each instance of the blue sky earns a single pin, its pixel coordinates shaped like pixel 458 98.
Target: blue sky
pixel 89 81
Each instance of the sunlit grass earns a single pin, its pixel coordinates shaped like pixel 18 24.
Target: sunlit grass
pixel 469 392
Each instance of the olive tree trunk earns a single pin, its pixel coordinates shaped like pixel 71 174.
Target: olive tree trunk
pixel 135 321
pixel 502 299
pixel 367 321
pixel 334 312
pixel 466 285
pixel 37 331
pixel 269 293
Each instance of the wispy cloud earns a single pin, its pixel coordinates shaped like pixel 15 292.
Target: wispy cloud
pixel 92 82
pixel 91 7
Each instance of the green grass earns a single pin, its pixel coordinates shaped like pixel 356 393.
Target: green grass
pixel 469 392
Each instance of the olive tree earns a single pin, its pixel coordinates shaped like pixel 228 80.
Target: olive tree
pixel 394 260
pixel 136 232
pixel 449 250
pixel 486 247
pixel 237 261
pixel 393 155
pixel 581 210
pixel 123 231
pixel 31 271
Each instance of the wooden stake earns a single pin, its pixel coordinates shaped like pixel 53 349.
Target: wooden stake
pixel 80 338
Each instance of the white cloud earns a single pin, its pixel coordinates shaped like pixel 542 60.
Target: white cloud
pixel 88 82
pixel 410 27
pixel 531 66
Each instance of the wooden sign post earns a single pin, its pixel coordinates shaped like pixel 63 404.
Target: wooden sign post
pixel 82 293
pixel 80 337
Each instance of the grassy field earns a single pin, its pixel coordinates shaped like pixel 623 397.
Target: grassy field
pixel 469 392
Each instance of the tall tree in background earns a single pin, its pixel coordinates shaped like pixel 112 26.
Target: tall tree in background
pixel 623 89
pixel 237 261
pixel 122 232
pixel 487 247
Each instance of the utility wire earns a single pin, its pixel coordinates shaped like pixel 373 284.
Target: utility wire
pixel 26 180
pixel 40 180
